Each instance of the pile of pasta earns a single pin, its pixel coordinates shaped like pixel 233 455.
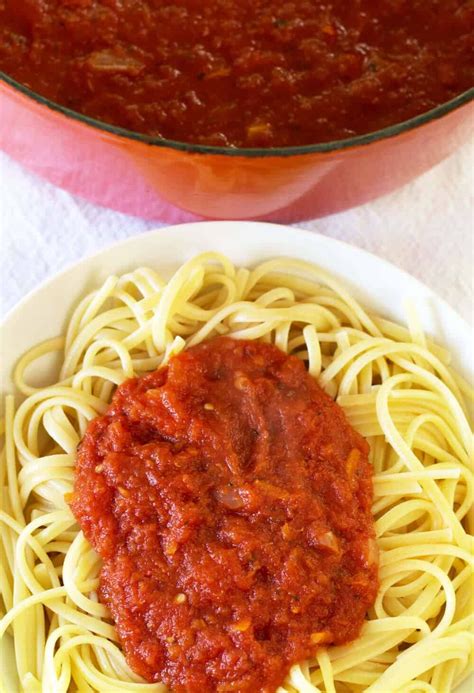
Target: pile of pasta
pixel 396 388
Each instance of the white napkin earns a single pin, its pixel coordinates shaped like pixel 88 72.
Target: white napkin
pixel 427 228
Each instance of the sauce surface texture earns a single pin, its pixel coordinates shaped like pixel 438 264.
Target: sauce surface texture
pixel 253 73
pixel 230 501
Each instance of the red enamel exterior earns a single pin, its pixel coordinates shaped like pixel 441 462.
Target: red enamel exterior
pixel 173 182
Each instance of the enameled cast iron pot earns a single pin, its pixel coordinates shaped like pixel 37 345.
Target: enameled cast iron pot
pixel 172 181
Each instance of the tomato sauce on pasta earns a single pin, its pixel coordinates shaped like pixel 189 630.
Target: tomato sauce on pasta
pixel 230 500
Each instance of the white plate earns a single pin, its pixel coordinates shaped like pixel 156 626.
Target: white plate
pixel 379 285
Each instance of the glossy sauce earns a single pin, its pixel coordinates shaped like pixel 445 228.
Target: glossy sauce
pixel 253 73
pixel 230 501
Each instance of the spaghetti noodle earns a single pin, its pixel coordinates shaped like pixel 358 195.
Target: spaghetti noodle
pixel 397 390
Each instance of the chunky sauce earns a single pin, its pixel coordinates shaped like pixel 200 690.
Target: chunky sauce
pixel 255 73
pixel 231 503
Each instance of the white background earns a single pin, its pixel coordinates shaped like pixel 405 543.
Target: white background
pixel 427 228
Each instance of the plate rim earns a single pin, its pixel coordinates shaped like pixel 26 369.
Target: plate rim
pixel 198 225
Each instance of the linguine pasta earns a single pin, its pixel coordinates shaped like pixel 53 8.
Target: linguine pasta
pixel 396 388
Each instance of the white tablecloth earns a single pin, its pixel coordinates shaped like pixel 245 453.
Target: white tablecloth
pixel 427 228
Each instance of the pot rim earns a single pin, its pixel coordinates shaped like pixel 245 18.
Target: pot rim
pixel 324 147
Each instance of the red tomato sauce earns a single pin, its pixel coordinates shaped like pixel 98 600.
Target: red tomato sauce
pixel 230 501
pixel 253 73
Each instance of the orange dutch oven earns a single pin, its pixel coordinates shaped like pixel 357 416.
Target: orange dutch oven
pixel 172 181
